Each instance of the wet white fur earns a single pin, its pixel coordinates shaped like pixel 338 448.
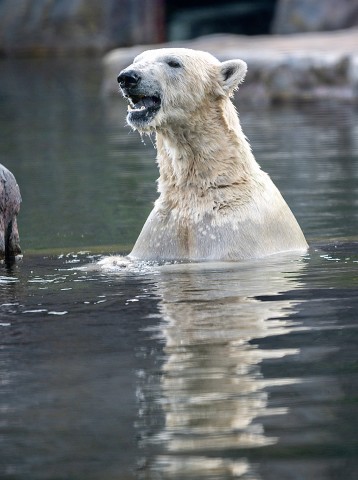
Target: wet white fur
pixel 215 202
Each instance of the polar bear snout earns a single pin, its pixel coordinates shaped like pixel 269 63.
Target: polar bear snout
pixel 143 96
pixel 128 79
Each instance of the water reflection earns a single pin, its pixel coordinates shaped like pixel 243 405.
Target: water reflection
pixel 239 370
pixel 212 391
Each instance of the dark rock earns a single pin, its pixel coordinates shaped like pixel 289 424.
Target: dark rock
pixel 247 18
pixel 293 16
pixel 10 200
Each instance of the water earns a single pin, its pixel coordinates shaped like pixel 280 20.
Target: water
pixel 218 371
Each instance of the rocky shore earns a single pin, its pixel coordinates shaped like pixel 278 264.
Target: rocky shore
pixel 296 67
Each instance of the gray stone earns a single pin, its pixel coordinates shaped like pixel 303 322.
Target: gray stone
pixel 292 16
pixel 10 200
pixel 40 27
pixel 280 68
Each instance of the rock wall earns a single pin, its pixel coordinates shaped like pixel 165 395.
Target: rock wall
pixel 294 16
pixel 298 67
pixel 40 27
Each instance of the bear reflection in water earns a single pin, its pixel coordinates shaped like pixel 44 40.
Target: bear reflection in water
pixel 211 389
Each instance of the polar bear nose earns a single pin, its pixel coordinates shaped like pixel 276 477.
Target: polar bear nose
pixel 128 78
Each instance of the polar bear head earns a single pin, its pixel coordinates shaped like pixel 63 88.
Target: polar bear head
pixel 168 85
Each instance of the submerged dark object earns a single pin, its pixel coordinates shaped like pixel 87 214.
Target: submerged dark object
pixel 10 200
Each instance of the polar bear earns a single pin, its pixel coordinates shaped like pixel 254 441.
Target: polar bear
pixel 215 202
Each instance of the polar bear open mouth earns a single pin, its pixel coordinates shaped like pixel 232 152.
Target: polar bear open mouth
pixel 142 108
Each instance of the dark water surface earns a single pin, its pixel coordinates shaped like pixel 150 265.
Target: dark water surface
pixel 217 371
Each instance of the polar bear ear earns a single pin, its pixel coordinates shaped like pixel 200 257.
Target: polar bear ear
pixel 232 73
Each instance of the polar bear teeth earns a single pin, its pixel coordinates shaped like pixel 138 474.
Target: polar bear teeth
pixel 132 109
pixel 138 104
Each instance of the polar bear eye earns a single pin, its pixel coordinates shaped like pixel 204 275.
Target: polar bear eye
pixel 173 63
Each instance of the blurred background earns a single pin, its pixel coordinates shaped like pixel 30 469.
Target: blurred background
pixel 40 27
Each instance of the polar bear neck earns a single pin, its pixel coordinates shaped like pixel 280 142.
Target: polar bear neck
pixel 208 150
